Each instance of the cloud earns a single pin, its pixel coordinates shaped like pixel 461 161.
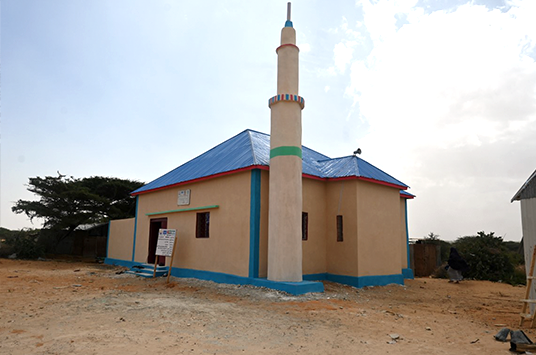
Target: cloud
pixel 442 91
pixel 305 47
pixel 342 54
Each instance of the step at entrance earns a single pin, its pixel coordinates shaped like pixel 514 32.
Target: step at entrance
pixel 147 270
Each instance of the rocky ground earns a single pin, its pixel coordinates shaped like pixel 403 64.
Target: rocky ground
pixel 54 307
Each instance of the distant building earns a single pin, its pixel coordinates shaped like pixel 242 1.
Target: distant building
pixel 267 211
pixel 527 196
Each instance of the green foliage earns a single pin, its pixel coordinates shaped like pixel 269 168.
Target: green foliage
pixel 66 202
pixel 5 233
pixel 488 258
pixel 25 244
pixel 516 253
pixel 5 238
pixel 432 237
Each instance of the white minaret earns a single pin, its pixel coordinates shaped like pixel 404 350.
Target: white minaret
pixel 285 198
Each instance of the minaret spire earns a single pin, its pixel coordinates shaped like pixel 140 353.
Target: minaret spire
pixel 285 186
pixel 288 11
pixel 289 22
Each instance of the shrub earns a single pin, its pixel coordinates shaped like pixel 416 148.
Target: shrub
pixel 24 244
pixel 488 258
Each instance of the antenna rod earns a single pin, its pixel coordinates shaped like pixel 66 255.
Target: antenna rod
pixel 288 11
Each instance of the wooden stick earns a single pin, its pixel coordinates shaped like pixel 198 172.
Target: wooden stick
pixel 155 264
pixel 527 291
pixel 172 256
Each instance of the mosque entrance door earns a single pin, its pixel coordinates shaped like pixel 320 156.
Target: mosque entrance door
pixel 154 226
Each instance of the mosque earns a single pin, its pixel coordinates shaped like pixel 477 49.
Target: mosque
pixel 264 210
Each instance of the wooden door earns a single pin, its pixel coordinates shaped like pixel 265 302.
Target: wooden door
pixel 155 225
pixel 425 259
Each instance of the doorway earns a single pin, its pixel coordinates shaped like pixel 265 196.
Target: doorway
pixel 154 226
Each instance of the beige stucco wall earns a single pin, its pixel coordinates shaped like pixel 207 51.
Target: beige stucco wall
pixel 373 221
pixel 120 239
pixel 341 200
pixel 314 249
pixel 227 249
pixel 403 235
pixel 378 229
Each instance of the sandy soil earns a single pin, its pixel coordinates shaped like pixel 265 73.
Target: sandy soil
pixel 52 307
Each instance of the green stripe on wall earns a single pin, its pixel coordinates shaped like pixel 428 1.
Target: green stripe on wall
pixel 184 210
pixel 286 150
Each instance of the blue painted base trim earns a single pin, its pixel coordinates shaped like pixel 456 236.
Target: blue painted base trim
pixel 118 262
pixel 294 288
pixel 408 274
pixel 358 281
pixel 315 277
pixel 309 284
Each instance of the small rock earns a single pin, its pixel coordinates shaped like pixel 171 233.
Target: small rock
pixel 428 328
pixel 394 336
pixel 77 285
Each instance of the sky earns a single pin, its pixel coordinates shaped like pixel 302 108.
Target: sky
pixel 439 94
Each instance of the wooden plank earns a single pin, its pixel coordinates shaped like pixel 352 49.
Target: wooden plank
pixel 527 292
pixel 171 262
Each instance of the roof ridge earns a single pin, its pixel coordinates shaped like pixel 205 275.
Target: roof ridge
pixel 517 195
pixel 337 158
pixel 253 153
pixel 357 165
pixel 343 166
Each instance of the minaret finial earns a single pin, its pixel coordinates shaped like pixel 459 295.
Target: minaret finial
pixel 288 11
pixel 288 23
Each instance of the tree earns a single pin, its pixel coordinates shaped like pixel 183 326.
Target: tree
pixel 432 237
pixel 66 203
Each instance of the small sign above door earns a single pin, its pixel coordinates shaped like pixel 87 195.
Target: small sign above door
pixel 184 198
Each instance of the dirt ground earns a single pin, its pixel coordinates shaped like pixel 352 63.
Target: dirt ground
pixel 54 307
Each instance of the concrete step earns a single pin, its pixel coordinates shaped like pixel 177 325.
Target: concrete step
pixel 147 270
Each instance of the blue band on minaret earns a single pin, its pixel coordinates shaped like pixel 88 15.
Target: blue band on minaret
pixel 288 24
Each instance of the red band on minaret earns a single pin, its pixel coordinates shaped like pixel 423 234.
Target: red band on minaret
pixel 287 44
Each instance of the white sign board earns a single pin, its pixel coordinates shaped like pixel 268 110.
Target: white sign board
pixel 166 239
pixel 183 198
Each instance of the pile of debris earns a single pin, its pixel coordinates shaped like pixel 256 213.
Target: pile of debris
pixel 519 341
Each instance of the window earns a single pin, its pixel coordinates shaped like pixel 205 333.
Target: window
pixel 339 229
pixel 304 225
pixel 202 224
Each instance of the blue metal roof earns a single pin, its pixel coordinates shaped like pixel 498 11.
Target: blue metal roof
pixel 406 194
pixel 251 148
